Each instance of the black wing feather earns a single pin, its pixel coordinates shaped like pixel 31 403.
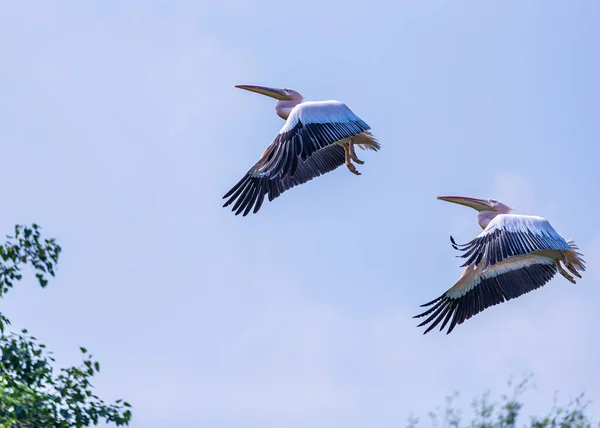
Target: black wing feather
pixel 489 292
pixel 321 162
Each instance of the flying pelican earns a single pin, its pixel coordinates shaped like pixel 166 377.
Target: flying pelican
pixel 514 255
pixel 317 138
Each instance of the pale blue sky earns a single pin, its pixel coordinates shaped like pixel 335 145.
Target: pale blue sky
pixel 121 130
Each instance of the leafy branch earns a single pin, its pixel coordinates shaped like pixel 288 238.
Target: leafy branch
pixel 31 394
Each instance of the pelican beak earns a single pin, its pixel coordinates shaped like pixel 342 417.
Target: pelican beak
pixel 277 93
pixel 475 203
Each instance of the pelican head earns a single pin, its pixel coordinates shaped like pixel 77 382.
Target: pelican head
pixel 281 94
pixel 287 98
pixel 477 204
pixel 487 208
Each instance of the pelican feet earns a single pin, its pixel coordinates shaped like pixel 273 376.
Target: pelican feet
pixel 569 265
pixel 564 272
pixel 351 156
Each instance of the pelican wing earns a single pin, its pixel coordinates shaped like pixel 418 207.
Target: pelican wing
pixel 303 149
pixel 509 235
pixel 250 191
pixel 477 290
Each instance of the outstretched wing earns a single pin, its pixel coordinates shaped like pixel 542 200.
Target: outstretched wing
pixel 303 149
pixel 250 191
pixel 509 235
pixel 477 290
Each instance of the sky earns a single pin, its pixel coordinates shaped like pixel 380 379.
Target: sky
pixel 121 130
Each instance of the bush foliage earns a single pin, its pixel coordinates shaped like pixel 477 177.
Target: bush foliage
pixel 507 412
pixel 32 392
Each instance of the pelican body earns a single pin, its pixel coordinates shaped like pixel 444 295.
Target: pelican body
pixel 316 138
pixel 514 255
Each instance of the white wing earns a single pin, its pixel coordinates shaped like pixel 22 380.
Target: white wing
pixel 311 126
pixel 510 235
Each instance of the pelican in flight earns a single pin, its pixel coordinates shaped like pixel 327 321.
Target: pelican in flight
pixel 318 137
pixel 514 255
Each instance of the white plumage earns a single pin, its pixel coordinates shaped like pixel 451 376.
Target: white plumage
pixel 512 235
pixel 320 112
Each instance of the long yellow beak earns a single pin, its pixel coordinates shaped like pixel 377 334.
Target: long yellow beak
pixel 277 93
pixel 475 203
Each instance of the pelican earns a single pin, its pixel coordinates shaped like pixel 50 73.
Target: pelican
pixel 514 255
pixel 318 137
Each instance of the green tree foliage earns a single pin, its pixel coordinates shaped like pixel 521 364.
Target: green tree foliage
pixel 505 413
pixel 32 393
